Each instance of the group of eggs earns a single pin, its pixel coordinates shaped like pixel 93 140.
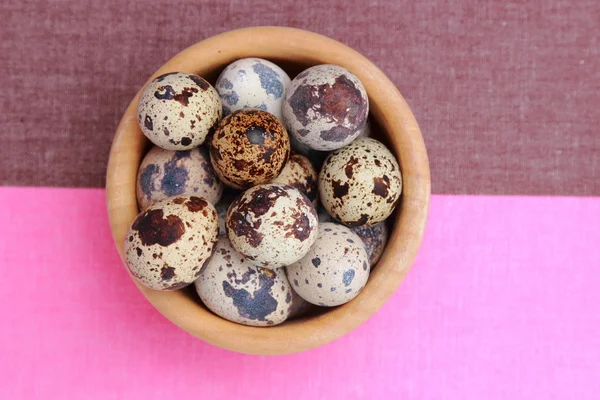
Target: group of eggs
pixel 238 217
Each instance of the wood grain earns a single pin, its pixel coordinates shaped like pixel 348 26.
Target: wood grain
pixel 293 49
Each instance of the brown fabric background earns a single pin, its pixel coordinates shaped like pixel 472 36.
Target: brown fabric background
pixel 507 93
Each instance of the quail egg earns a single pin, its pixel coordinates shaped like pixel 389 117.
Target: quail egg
pixel 334 271
pixel 235 288
pixel 167 173
pixel 252 83
pixel 273 224
pixel 168 243
pixel 177 111
pixel 248 148
pixel 325 107
pixel 361 183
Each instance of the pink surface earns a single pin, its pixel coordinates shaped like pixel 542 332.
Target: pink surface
pixel 502 303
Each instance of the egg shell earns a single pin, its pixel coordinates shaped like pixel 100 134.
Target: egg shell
pixel 300 173
pixel 237 289
pixel 361 183
pixel 248 148
pixel 374 237
pixel 334 271
pixel 273 224
pixel 167 173
pixel 168 243
pixel 177 111
pixel 252 83
pixel 325 107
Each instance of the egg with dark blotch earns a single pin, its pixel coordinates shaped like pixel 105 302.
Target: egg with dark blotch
pixel 249 147
pixel 273 224
pixel 325 107
pixel 334 271
pixel 168 243
pixel 235 288
pixel 374 237
pixel 300 173
pixel 167 173
pixel 252 83
pixel 361 183
pixel 177 111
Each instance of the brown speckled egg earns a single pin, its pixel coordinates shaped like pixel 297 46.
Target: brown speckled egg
pixel 248 148
pixel 335 269
pixel 325 107
pixel 273 224
pixel 177 111
pixel 235 288
pixel 361 183
pixel 168 243
pixel 167 173
pixel 374 238
pixel 300 173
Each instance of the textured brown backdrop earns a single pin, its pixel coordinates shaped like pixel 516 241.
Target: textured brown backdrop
pixel 507 94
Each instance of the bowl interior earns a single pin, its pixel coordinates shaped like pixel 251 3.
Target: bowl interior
pixel 294 50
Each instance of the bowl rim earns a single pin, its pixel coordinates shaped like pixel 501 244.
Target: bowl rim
pixel 387 107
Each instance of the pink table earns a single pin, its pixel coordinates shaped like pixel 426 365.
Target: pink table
pixel 502 303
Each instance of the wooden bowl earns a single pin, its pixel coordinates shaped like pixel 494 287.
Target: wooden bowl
pixel 294 50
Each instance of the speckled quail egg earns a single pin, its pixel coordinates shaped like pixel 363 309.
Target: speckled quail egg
pixel 360 183
pixel 273 224
pixel 167 173
pixel 300 173
pixel 335 269
pixel 325 107
pixel 252 83
pixel 168 243
pixel 249 147
pixel 177 111
pixel 374 238
pixel 237 289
